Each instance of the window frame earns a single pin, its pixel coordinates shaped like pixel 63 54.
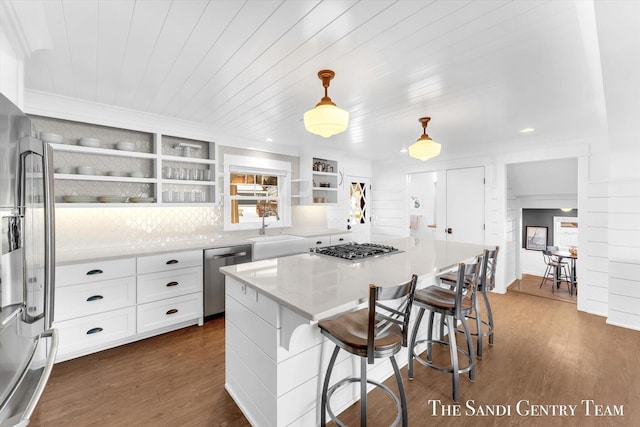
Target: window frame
pixel 258 166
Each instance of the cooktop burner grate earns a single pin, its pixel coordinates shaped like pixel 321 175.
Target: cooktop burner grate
pixel 355 251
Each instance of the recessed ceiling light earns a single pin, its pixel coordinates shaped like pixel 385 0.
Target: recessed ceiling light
pixel 403 149
pixel 527 130
pixel 269 140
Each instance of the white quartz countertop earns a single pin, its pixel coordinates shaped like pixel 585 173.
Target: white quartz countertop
pixel 317 286
pixel 154 246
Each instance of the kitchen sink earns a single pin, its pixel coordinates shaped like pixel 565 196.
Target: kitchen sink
pixel 278 245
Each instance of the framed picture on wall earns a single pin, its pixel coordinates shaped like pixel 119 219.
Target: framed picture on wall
pixel 536 238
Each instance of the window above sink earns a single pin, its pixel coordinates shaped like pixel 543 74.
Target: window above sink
pixel 256 187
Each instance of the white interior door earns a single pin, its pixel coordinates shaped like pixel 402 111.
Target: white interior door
pixel 359 212
pixel 465 205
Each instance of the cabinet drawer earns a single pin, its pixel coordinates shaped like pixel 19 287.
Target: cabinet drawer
pixel 339 239
pixel 318 241
pixel 170 261
pixel 92 298
pixel 160 314
pixel 153 287
pixel 94 331
pixel 94 271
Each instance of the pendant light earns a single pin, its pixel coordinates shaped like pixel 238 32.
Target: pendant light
pixel 326 119
pixel 424 148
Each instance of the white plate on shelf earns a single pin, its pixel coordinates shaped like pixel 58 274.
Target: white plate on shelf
pixel 79 199
pixel 51 137
pixel 89 142
pixel 142 199
pixel 112 199
pixel 126 146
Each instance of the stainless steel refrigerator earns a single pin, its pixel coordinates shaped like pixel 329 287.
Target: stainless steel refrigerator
pixel 27 342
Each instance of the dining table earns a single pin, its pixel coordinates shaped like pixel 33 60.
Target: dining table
pixel 572 257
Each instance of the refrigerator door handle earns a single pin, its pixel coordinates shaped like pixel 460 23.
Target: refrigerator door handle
pixel 51 358
pixel 30 145
pixel 49 237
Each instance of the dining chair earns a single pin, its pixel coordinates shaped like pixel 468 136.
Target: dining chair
pixel 555 271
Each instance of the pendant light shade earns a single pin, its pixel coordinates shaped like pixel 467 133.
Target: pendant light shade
pixel 424 148
pixel 326 119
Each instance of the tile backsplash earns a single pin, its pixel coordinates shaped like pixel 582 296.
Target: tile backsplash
pixel 91 228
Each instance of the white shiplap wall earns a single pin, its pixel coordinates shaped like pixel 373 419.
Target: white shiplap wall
pixel 389 205
pixel 624 253
pixel 512 219
pixel 593 268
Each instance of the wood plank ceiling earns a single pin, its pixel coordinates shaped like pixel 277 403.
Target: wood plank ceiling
pixel 482 70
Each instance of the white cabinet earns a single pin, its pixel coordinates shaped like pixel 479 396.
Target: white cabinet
pixel 128 167
pixel 169 262
pixel 339 239
pixel 173 294
pixel 105 303
pixel 319 241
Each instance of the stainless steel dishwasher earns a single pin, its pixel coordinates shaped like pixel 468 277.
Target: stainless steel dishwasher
pixel 214 279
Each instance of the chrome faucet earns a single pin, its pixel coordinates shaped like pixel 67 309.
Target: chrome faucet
pixel 264 226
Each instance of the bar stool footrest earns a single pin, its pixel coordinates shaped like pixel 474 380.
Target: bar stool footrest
pixel 345 381
pixel 432 365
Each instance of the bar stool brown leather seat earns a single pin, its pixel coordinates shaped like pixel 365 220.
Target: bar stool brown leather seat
pixel 379 331
pixel 484 325
pixel 455 306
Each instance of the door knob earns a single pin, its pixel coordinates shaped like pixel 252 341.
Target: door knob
pixel 448 230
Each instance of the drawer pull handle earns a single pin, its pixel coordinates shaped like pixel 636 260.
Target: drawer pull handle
pixel 94 331
pixel 172 261
pixel 172 284
pixel 341 239
pixel 95 298
pixel 319 242
pixel 92 272
pixel 172 311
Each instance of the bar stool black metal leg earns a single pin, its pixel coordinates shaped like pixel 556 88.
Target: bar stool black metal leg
pixel 403 397
pixel 476 308
pixel 363 392
pixel 489 317
pixel 472 357
pixel 325 387
pixel 453 351
pixel 430 336
pixel 412 343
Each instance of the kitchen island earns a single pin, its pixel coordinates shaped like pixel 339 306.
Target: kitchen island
pixel 275 354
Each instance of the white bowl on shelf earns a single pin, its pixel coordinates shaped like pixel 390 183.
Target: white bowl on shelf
pixel 89 142
pixel 85 170
pixel 64 169
pixel 126 146
pixel 136 174
pixel 51 137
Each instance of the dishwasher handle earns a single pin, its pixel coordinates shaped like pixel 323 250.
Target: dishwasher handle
pixel 235 254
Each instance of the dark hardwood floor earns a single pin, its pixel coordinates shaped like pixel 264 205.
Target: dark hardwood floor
pixel 546 353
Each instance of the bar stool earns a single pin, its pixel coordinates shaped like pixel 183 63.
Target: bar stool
pixel 455 306
pixel 379 331
pixel 487 282
pixel 555 271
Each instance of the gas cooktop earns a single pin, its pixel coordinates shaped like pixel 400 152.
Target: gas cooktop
pixel 355 251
